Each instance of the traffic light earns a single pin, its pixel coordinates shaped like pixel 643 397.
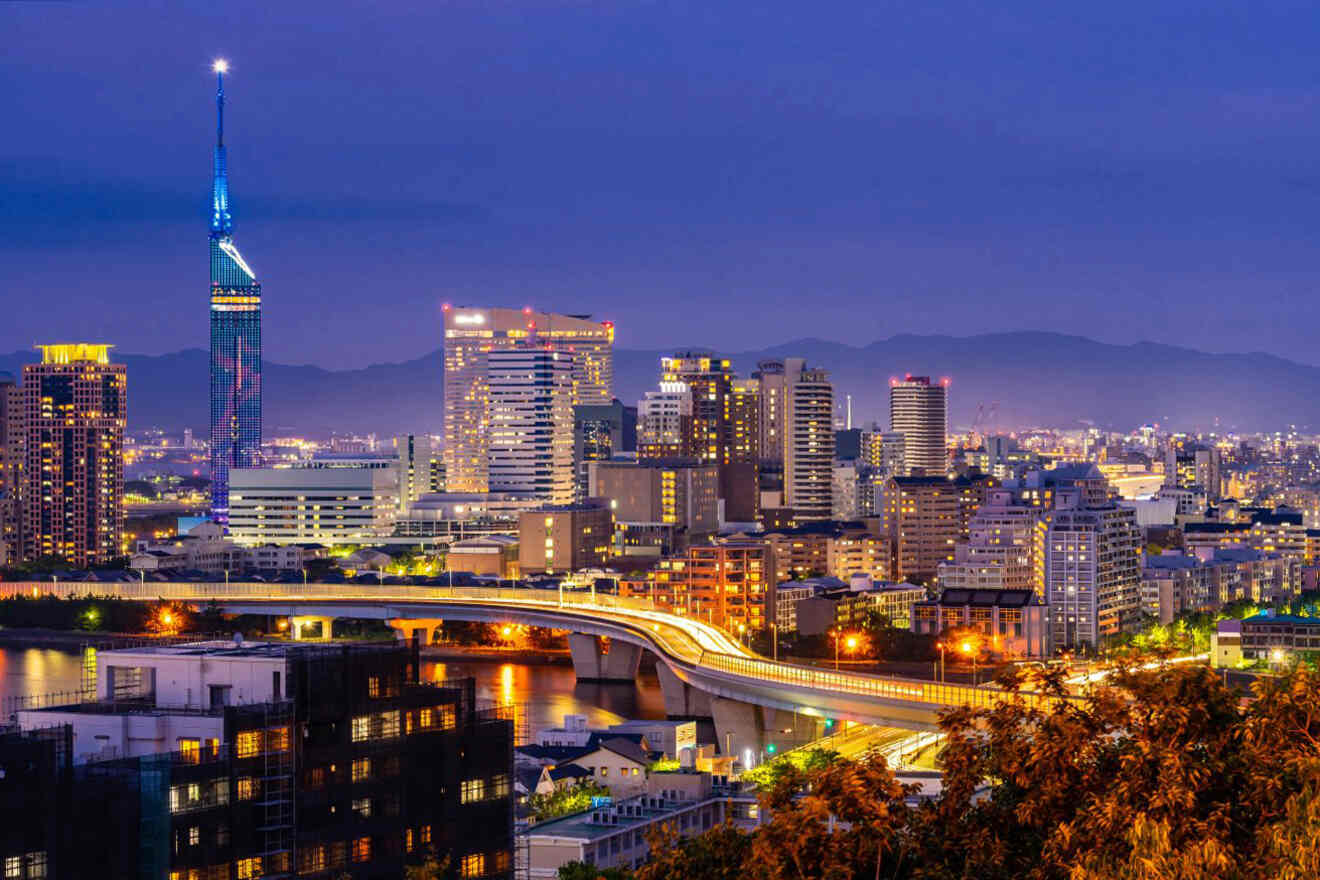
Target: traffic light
pixel 770 749
pixel 829 722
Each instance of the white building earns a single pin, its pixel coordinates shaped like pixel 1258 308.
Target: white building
pixel 325 505
pixel 1091 565
pixel 663 420
pixel 999 552
pixel 845 492
pixel 205 548
pixel 808 441
pixel 918 409
pixel 413 461
pixel 530 450
pixel 168 698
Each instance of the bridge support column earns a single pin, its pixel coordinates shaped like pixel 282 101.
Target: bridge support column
pixel 592 662
pixel 763 732
pixel 311 629
pixel 682 700
pixel 421 629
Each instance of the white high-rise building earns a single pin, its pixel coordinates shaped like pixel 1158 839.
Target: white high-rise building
pixel 530 449
pixel 808 441
pixel 1089 566
pixel 470 336
pixel 919 410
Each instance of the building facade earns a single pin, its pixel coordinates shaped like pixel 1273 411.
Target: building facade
pixel 71 434
pixel 325 505
pixel 471 334
pixel 565 538
pixel 1014 622
pixel 924 518
pixel 999 551
pixel 808 441
pixel 919 410
pixel 530 447
pixel 235 337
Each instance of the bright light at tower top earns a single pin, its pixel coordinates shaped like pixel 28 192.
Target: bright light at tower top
pixel 220 65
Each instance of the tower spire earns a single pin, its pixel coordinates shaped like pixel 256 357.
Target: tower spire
pixel 222 223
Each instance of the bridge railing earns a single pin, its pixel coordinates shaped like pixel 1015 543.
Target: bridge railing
pixel 910 689
pixel 667 629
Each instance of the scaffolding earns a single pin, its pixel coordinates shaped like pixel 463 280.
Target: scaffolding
pixel 277 790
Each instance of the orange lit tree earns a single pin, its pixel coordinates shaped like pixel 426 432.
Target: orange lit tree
pixel 1156 774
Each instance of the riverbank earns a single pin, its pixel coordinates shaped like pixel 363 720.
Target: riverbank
pixel 62 639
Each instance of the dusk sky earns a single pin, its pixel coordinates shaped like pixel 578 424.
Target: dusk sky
pixel 730 174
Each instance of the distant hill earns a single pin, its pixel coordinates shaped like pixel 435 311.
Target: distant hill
pixel 1036 378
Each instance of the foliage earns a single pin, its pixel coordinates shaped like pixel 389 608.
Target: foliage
pixel 561 802
pixel 431 867
pixel 576 870
pixel 169 618
pixel 1159 773
pixel 768 774
pixel 718 854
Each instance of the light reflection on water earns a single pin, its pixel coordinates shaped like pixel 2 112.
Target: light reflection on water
pixel 548 692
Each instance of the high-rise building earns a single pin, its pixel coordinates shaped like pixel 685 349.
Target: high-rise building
pixel 664 423
pixel 470 336
pixel 599 433
pixel 11 467
pixel 925 517
pixel 71 502
pixel 808 441
pixel 413 465
pixel 725 426
pixel 1088 568
pixel 770 374
pixel 677 494
pixel 530 446
pixel 235 336
pixel 919 410
pixel 884 451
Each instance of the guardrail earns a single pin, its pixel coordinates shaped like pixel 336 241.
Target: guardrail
pixel 680 636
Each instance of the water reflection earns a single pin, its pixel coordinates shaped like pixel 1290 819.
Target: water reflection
pixel 551 692
pixel 548 692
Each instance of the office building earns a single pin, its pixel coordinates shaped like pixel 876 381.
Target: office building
pixel 772 377
pixel 565 538
pixel 998 552
pixel 919 410
pixel 676 499
pixel 456 515
pixel 1088 569
pixel 485 556
pixel 924 518
pixel 250 760
pixel 235 336
pixel 324 505
pixel 808 441
pixel 600 433
pixel 1173 583
pixel 71 433
pixel 724 428
pixel 530 449
pixel 850 608
pixel 413 457
pixel 11 467
pixel 884 451
pixel 1014 623
pixel 471 334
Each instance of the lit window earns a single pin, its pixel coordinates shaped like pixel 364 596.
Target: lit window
pixel 246 788
pixel 249 869
pixel 473 865
pixel 361 728
pixel 247 744
pixel 362 807
pixel 190 751
pixel 361 769
pixel 373 686
pixel 473 790
pixel 362 849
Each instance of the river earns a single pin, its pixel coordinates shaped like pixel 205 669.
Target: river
pixel 548 693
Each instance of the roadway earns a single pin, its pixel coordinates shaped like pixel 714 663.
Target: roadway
pixel 700 656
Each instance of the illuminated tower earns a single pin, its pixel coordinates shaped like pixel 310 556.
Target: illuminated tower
pixel 70 421
pixel 235 336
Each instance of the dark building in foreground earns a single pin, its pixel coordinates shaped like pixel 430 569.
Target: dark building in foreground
pixel 224 761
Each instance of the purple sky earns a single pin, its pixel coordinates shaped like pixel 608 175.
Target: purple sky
pixel 725 174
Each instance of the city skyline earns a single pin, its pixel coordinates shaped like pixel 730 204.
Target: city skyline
pixel 697 190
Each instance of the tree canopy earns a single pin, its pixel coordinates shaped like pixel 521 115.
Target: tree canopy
pixel 1157 774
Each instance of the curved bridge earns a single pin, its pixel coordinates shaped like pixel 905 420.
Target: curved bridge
pixel 703 671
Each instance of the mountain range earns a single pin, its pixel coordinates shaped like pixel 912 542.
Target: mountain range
pixel 1011 379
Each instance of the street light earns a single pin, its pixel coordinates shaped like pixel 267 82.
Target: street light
pixel 969 649
pixel 941 646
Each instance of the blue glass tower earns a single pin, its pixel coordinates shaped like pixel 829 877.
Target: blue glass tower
pixel 235 336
